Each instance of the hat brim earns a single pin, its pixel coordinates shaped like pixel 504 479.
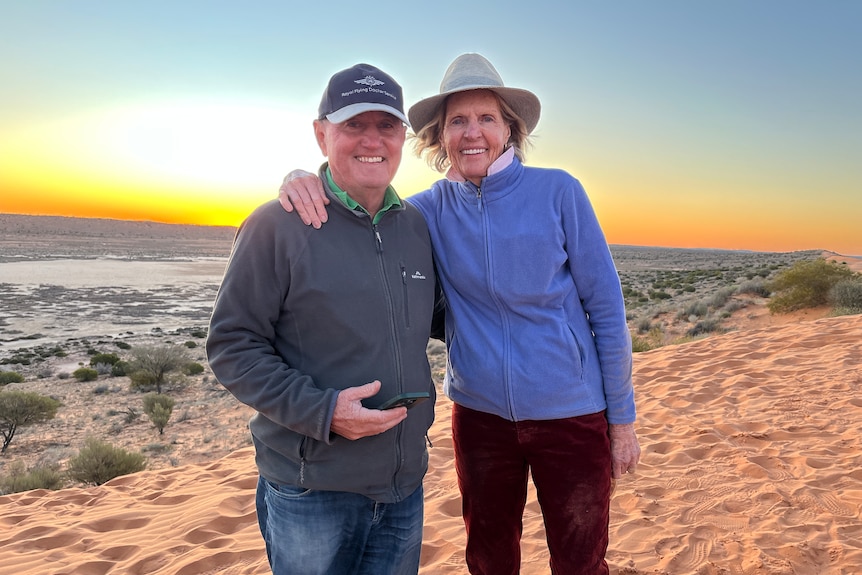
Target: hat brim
pixel 348 112
pixel 525 104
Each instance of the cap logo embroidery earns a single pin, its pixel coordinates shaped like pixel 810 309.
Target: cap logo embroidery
pixel 369 81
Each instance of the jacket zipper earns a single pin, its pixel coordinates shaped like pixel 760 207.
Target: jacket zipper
pixel 395 348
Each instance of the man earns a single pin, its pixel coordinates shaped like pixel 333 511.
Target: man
pixel 314 329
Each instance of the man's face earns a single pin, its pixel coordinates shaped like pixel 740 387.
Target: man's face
pixel 364 152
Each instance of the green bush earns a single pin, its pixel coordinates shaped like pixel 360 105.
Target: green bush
pixel 193 368
pixel 640 343
pixel 19 478
pixel 85 374
pixel 105 358
pixel 7 377
pixel 122 345
pixel 158 408
pixel 120 368
pixel 806 284
pixel 98 462
pixel 846 296
pixel 704 327
pixel 21 408
pixel 754 287
pixel 151 365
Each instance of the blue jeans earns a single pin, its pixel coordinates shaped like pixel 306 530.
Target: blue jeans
pixel 337 533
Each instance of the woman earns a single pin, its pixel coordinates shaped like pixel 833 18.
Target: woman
pixel 539 351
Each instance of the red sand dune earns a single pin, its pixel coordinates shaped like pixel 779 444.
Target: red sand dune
pixel 751 465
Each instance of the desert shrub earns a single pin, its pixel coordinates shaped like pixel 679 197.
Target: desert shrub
pixel 846 296
pixel 806 284
pixel 694 310
pixel 721 297
pixel 142 381
pixel 734 305
pixel 18 478
pixel 193 368
pixel 755 287
pixel 198 333
pixel 120 368
pixel 157 448
pixel 703 327
pixel 85 374
pixel 7 377
pixel 122 345
pixel 190 344
pixel 158 408
pixel 640 344
pixel 22 408
pixel 151 365
pixel 659 295
pixel 103 358
pixel 103 368
pixel 98 462
pixel 644 325
pixel 131 415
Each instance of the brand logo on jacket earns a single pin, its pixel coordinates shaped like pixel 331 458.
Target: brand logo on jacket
pixel 417 275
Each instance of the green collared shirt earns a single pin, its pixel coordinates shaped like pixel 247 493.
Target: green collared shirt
pixel 390 200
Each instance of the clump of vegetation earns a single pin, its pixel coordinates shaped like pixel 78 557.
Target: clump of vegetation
pixel 18 478
pixel 103 358
pixel 21 408
pixel 755 288
pixel 7 377
pixel 98 462
pixel 704 327
pixel 85 374
pixel 152 365
pixel 193 368
pixel 806 284
pixel 641 343
pixel 846 296
pixel 158 408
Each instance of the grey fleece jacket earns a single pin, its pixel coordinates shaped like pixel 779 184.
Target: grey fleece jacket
pixel 303 313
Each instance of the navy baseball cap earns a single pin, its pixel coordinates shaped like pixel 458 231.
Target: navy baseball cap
pixel 361 88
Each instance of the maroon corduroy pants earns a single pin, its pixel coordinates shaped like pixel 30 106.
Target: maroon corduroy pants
pixel 570 462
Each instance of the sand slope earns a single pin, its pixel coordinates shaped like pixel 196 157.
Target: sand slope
pixel 752 464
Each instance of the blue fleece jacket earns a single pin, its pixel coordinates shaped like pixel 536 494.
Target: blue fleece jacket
pixel 535 322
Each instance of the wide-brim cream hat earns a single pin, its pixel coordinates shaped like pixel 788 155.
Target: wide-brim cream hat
pixel 474 72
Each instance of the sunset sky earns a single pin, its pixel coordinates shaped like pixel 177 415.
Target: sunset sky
pixel 716 124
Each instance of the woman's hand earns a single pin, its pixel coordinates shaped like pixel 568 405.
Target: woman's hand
pixel 303 192
pixel 625 451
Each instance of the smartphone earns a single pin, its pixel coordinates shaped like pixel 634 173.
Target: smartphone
pixel 407 400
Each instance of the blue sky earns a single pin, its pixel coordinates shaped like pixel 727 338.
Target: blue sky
pixel 731 124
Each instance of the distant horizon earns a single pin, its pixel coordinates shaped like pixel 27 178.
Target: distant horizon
pixel 611 243
pixel 698 125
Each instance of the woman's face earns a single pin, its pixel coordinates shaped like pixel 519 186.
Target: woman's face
pixel 474 132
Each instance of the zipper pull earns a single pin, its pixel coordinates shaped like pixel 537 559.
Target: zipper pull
pixel 379 240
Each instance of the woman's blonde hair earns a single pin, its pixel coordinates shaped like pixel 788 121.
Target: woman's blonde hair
pixel 428 141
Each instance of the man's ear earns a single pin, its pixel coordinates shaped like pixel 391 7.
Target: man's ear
pixel 320 134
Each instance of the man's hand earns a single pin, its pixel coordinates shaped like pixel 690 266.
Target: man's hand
pixel 625 451
pixel 303 191
pixel 353 421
